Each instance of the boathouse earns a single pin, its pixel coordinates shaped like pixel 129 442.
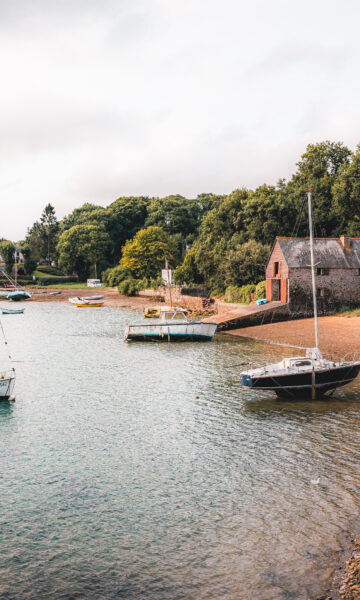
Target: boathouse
pixel 337 269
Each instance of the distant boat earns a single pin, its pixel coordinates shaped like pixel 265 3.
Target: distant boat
pixel 312 376
pixel 173 325
pixel 18 295
pixel 87 301
pixel 154 312
pixel 12 311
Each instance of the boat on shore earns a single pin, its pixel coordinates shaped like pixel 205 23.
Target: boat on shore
pixel 18 295
pixel 12 311
pixel 312 376
pixel 87 301
pixel 173 325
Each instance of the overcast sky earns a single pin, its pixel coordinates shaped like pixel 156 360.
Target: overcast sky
pixel 107 98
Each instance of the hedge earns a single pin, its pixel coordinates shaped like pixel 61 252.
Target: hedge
pixel 54 280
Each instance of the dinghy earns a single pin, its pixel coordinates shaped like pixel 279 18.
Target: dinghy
pixel 87 301
pixel 12 311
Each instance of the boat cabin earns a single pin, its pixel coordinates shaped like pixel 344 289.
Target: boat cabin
pixel 173 315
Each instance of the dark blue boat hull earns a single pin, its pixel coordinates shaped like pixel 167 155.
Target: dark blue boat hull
pixel 302 384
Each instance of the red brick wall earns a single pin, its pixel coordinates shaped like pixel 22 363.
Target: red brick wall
pixel 277 256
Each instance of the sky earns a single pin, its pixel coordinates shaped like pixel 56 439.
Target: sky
pixel 109 98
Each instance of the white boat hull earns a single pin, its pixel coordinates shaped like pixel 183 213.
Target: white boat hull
pixel 198 331
pixel 6 387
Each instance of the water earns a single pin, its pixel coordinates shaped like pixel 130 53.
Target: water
pixel 118 482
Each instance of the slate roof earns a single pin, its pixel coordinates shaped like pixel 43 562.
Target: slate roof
pixel 328 253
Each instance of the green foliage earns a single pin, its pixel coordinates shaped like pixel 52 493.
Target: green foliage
pixel 53 280
pixel 46 269
pixel 174 214
pixel 240 295
pixel 80 247
pixel 7 251
pixel 113 277
pixel 50 229
pixel 187 272
pixel 29 262
pixel 145 254
pixel 130 286
pixel 245 263
pixel 260 291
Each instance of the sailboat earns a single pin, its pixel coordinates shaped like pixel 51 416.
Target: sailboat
pixel 312 376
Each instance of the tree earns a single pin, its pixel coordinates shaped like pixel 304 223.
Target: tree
pixel 245 264
pixel 318 169
pixel 145 254
pixel 222 227
pixel 346 193
pixel 36 241
pixel 127 216
pixel 7 251
pixel 82 246
pixel 50 228
pixel 29 262
pixel 175 214
pixel 187 272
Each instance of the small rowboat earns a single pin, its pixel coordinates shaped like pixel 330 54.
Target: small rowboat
pixel 88 301
pixel 12 311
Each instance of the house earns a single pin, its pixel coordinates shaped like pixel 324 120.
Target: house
pixel 337 269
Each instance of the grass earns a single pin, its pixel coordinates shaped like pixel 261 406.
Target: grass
pixel 67 286
pixel 345 311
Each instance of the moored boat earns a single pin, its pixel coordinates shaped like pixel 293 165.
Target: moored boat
pixel 7 383
pixel 87 301
pixel 173 325
pixel 12 311
pixel 312 376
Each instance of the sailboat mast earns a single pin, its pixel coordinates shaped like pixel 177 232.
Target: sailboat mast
pixel 313 271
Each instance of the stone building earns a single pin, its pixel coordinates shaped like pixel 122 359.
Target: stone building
pixel 337 269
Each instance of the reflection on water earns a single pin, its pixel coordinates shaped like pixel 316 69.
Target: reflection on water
pixel 146 471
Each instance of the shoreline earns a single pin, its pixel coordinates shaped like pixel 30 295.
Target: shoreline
pixel 339 336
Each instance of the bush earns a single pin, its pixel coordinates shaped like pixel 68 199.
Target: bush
pixel 113 277
pixel 217 292
pixel 130 286
pixel 240 295
pixel 54 280
pixel 260 291
pixel 49 270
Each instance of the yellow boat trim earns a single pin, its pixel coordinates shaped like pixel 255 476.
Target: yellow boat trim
pixel 90 305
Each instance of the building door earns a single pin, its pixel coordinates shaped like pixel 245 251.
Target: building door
pixel 283 297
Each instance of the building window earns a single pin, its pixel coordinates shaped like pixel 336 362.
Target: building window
pixel 322 271
pixel 276 269
pixel 322 292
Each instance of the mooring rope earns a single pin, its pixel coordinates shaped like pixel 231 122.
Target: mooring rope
pixel 5 340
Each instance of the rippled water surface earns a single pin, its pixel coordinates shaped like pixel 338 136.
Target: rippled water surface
pixel 144 471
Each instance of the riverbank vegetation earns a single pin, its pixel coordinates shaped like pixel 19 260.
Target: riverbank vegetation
pixel 221 241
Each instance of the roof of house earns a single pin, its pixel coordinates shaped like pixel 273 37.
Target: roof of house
pixel 328 253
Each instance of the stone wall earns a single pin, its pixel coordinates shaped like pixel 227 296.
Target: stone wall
pixel 342 285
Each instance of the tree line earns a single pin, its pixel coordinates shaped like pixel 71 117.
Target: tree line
pixel 217 240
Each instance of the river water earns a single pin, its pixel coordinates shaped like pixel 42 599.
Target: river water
pixel 144 471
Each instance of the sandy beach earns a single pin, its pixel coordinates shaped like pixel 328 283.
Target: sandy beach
pixel 338 335
pixel 111 297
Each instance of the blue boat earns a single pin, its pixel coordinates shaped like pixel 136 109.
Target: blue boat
pixel 18 295
pixel 12 311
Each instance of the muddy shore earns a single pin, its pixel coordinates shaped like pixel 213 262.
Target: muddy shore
pixel 339 336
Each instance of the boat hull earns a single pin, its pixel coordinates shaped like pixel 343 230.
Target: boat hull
pixel 303 385
pixel 87 305
pixel 6 387
pixel 17 296
pixel 171 333
pixel 12 311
